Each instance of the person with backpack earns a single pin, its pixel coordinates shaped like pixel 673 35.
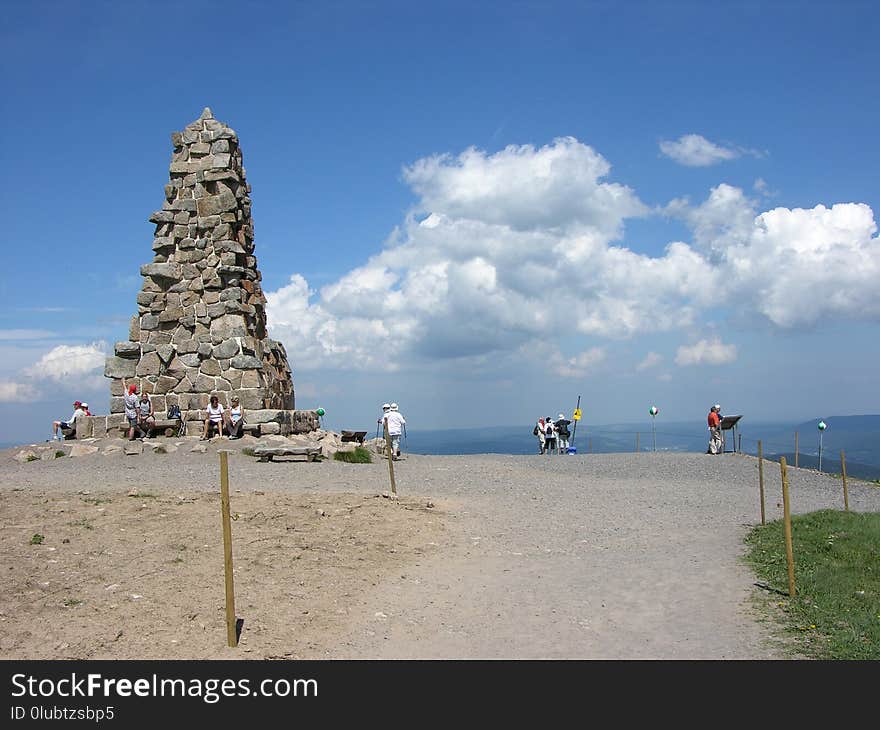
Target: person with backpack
pixel 549 435
pixel 563 433
pixel 538 431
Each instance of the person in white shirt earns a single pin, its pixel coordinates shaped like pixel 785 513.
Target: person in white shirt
pixel 396 423
pixel 214 420
pixel 70 423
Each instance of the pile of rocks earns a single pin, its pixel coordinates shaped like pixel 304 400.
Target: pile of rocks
pixel 201 322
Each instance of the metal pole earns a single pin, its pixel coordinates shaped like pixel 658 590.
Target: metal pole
pixel 227 550
pixel 786 517
pixel 637 440
pixel 653 434
pixel 843 473
pixel 575 429
pixel 820 451
pixel 795 449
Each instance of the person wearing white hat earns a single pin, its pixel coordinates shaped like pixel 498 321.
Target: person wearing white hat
pixel 562 434
pixel 396 423
pixel 716 445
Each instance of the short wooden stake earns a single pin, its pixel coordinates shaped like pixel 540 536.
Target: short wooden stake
pixel 843 473
pixel 390 458
pixel 786 519
pixel 761 478
pixel 231 637
pixel 795 449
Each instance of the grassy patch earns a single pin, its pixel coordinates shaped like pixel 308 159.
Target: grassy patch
pixel 59 454
pixel 835 613
pixel 37 539
pixel 360 455
pixel 82 522
pixel 96 500
pixel 248 451
pixel 71 602
pixel 32 457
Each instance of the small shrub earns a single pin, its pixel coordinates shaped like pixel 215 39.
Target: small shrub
pixel 37 539
pixel 248 451
pixel 360 455
pixel 70 602
pixel 32 457
pixel 59 454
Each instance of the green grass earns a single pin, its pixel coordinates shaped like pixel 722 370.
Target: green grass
pixel 360 455
pixel 835 613
pixel 32 457
pixel 248 451
pixel 59 453
pixel 37 539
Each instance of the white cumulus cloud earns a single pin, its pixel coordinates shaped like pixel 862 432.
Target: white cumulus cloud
pixel 525 247
pixel 706 352
pixel 75 364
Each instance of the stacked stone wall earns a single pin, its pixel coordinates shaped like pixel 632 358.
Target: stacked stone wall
pixel 200 327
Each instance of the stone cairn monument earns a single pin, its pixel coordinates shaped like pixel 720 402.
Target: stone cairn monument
pixel 201 322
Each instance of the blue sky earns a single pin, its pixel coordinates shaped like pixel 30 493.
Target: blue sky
pixel 480 211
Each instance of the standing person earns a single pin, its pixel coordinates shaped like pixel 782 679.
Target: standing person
pixel 70 423
pixel 562 433
pixel 214 418
pixel 385 408
pixel 538 431
pixel 716 445
pixel 85 407
pixel 396 423
pixel 130 402
pixel 235 424
pixel 549 435
pixel 145 417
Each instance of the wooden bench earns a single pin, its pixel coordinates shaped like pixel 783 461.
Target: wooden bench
pixel 268 453
pixel 170 427
pixel 358 436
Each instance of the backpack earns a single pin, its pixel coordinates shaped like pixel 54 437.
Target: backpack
pixel 548 430
pixel 535 431
pixel 173 412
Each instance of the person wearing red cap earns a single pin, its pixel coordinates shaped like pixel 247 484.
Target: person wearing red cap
pixel 130 401
pixel 69 424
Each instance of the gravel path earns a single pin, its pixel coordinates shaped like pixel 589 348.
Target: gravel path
pixel 619 556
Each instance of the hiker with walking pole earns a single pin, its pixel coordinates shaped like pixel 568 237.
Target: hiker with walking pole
pixel 385 408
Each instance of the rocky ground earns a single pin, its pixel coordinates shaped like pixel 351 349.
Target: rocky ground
pixel 115 555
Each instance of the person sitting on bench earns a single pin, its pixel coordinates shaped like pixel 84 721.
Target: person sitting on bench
pixel 214 420
pixel 146 419
pixel 235 422
pixel 68 425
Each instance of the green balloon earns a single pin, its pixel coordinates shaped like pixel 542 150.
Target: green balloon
pixel 320 411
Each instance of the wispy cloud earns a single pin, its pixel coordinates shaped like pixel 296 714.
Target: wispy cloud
pixel 652 359
pixel 694 150
pixel 706 352
pixel 26 334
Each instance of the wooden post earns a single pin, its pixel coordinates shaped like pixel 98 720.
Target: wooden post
pixel 231 638
pixel 740 443
pixel 637 440
pixel 390 454
pixel 795 449
pixel 590 445
pixel 843 473
pixel 761 478
pixel 786 519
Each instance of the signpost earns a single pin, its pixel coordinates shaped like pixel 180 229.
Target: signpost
pixel 653 410
pixel 822 428
pixel 576 416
